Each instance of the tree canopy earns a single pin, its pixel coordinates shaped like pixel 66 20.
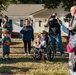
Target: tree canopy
pixel 5 3
pixel 31 1
pixel 66 4
pixel 50 4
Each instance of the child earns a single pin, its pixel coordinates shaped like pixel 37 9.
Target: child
pixel 6 41
pixel 40 45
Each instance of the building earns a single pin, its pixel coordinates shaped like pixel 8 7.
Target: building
pixel 18 12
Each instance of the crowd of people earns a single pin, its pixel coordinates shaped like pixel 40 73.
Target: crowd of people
pixel 27 32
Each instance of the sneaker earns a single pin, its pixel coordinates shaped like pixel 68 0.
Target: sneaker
pixel 62 55
pixel 70 65
pixel 25 54
pixel 28 54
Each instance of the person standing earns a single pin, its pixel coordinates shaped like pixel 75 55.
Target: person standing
pixel 55 33
pixel 27 36
pixel 6 25
pixel 6 41
pixel 72 26
pixel 72 32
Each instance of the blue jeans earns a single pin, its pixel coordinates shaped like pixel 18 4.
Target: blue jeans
pixel 57 39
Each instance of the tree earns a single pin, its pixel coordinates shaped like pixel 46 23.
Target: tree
pixel 31 1
pixel 66 4
pixel 52 4
pixel 5 3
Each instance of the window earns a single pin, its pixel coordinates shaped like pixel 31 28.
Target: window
pixel 21 23
pixel 39 23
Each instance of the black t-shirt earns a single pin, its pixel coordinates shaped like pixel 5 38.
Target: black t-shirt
pixel 54 27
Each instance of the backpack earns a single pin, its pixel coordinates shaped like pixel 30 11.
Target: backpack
pixel 71 46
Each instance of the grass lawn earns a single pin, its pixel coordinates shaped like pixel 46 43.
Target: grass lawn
pixel 25 65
